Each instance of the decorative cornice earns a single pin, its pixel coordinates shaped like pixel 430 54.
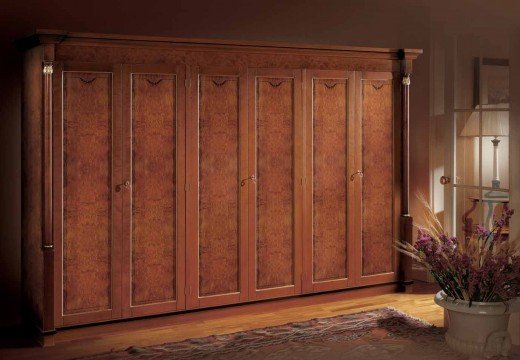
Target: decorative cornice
pixel 58 36
pixel 409 54
pixel 39 38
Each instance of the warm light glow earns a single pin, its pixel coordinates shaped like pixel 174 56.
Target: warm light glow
pixel 494 123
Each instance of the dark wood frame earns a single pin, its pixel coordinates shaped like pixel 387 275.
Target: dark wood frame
pixel 51 48
pixel 479 63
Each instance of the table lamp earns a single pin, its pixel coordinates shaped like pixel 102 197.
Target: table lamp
pixel 495 124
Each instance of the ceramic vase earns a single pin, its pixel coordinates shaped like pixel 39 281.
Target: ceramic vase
pixel 480 330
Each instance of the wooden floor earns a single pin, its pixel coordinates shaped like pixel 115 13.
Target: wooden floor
pixel 96 339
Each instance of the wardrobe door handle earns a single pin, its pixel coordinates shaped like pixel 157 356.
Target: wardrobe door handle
pixel 122 186
pixel 359 172
pixel 252 178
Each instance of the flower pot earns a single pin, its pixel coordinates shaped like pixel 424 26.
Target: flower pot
pixel 479 330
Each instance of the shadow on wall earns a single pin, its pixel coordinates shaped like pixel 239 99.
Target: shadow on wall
pixel 10 195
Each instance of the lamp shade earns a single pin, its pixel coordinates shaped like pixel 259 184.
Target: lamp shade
pixel 494 123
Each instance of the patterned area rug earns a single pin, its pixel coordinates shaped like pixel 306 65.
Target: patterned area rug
pixel 380 334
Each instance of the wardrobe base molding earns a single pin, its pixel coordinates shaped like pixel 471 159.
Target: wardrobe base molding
pixel 84 331
pixel 40 337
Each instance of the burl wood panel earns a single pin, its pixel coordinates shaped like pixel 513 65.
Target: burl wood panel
pixel 87 133
pixel 32 258
pixel 330 124
pixel 218 185
pixel 377 194
pixel 257 58
pixel 153 188
pixel 275 197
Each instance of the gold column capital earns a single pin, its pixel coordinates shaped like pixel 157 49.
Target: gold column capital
pixel 406 80
pixel 47 69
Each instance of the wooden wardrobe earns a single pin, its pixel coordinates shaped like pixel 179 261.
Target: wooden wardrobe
pixel 163 175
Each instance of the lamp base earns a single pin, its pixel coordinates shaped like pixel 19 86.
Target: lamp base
pixel 494 194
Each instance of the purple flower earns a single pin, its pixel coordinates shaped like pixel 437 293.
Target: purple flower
pixel 500 222
pixel 425 243
pixel 504 219
pixel 448 244
pixel 481 271
pixel 482 231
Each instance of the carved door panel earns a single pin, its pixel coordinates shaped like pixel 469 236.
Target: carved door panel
pixel 153 189
pixel 378 133
pixel 87 209
pixel 216 201
pixel 330 194
pixel 275 192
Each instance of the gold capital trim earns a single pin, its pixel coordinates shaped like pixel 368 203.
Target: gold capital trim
pixel 47 69
pixel 406 80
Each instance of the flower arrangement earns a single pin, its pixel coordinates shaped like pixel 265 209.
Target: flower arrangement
pixel 484 267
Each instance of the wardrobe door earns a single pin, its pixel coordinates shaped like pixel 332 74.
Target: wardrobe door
pixel 276 162
pixel 378 223
pixel 330 196
pixel 86 207
pixel 217 203
pixel 153 189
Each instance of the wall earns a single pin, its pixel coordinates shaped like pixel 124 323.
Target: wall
pixel 402 23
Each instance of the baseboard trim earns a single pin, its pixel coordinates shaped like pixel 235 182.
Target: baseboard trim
pixel 186 316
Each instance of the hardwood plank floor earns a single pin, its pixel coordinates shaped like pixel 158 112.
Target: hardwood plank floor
pixel 95 339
